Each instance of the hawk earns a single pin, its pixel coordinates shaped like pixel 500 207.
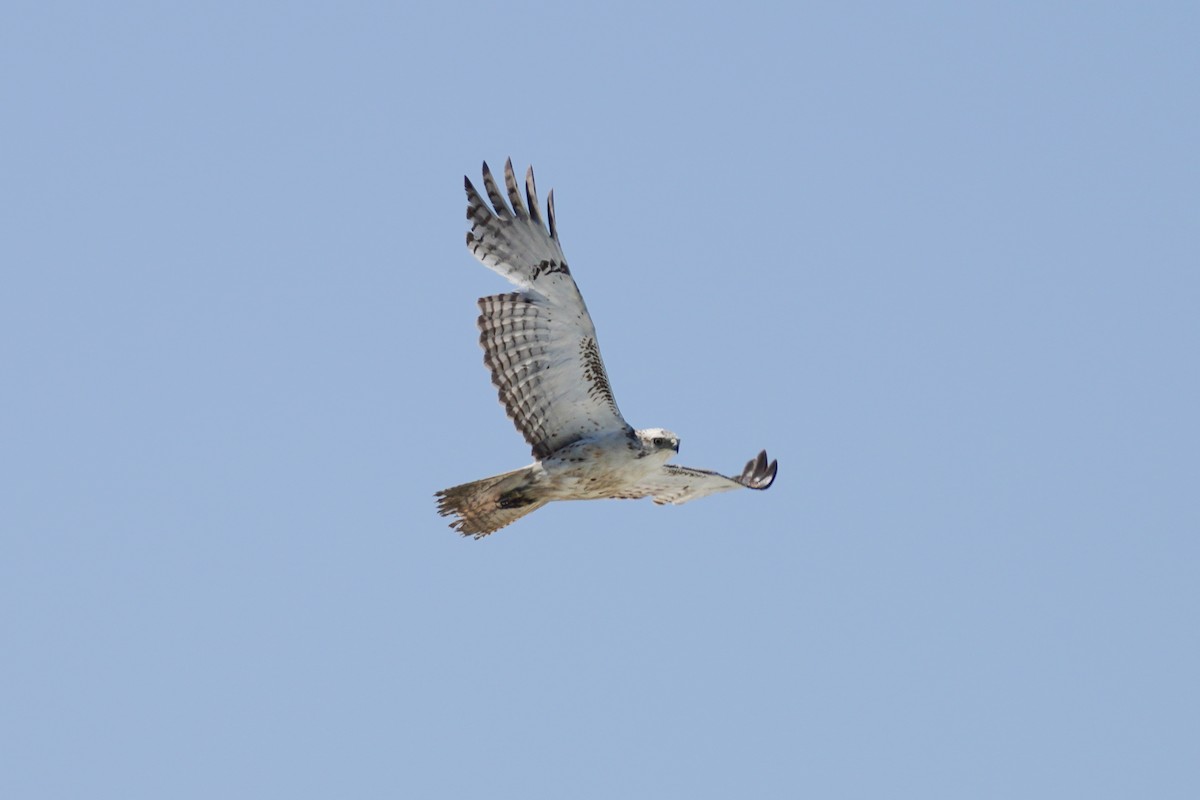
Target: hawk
pixel 540 346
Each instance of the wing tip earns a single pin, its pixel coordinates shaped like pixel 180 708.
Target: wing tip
pixel 759 473
pixel 522 208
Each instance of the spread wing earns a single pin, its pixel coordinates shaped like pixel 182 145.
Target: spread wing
pixel 674 484
pixel 539 343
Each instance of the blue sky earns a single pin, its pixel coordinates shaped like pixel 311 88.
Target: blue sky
pixel 939 259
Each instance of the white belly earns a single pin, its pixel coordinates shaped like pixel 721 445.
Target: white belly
pixel 597 468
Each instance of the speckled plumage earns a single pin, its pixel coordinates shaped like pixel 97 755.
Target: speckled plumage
pixel 540 346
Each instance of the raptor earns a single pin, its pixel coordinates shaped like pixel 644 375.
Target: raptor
pixel 540 346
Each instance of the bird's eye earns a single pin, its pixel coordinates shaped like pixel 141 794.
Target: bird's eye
pixel 658 440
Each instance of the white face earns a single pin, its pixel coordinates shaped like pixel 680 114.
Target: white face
pixel 656 439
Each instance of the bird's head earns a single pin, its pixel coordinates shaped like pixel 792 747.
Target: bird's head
pixel 658 440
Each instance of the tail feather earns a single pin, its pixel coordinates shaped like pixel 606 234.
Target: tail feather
pixel 478 506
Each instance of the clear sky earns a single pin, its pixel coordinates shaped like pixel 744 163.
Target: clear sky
pixel 940 259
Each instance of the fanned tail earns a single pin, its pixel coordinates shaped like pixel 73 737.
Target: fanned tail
pixel 487 505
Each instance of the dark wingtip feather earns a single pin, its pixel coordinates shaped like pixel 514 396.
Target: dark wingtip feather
pixel 514 194
pixel 493 193
pixel 477 210
pixel 531 196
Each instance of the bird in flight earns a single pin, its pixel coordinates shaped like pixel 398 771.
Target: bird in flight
pixel 540 346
